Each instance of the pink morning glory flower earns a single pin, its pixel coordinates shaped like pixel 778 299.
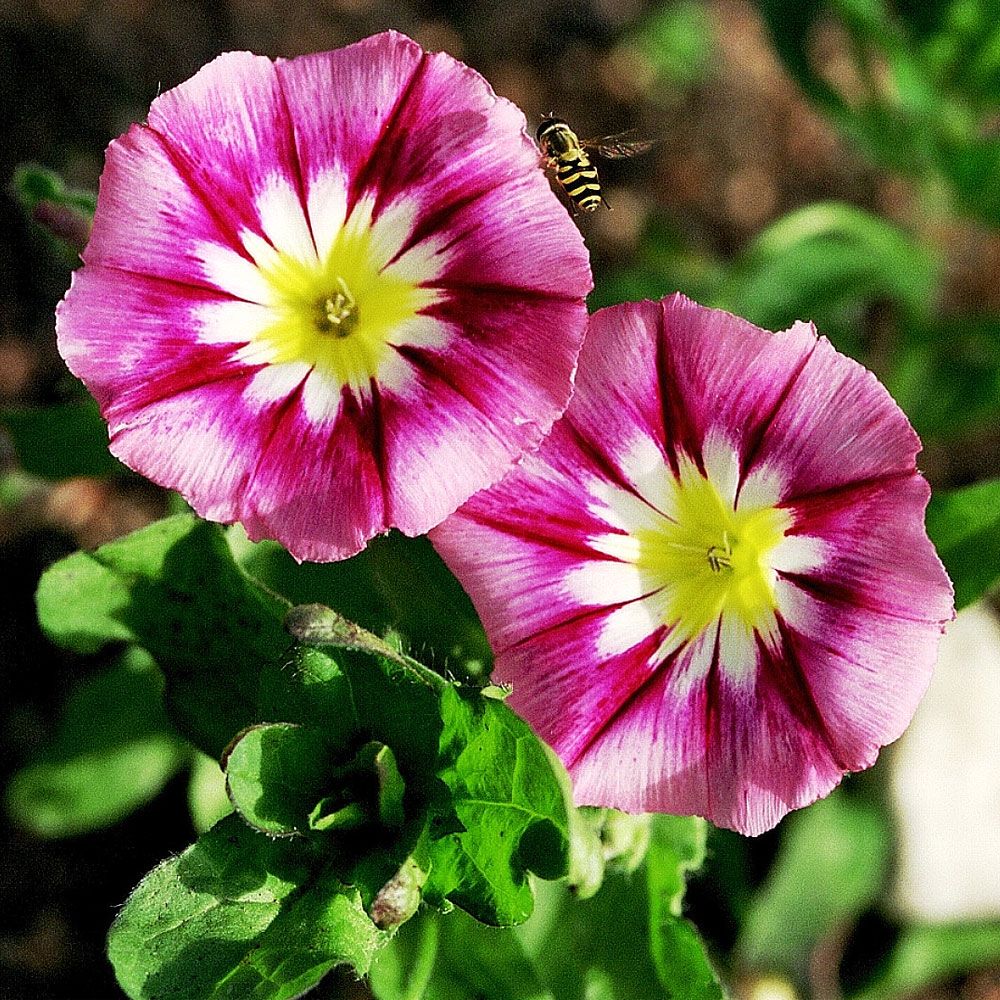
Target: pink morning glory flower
pixel 328 296
pixel 711 589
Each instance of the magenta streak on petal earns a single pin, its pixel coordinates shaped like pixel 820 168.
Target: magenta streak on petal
pixel 119 412
pixel 840 494
pixel 620 712
pixel 680 435
pixel 837 426
pixel 584 615
pixel 711 728
pixel 211 200
pixel 488 290
pixel 192 376
pixel 284 406
pixel 850 751
pixel 563 703
pixel 316 494
pixel 370 168
pixel 379 451
pixel 833 593
pixel 607 468
pixel 763 759
pixel 752 448
pixel 438 220
pixel 294 159
pixel 785 672
pixel 572 541
pixel 497 346
pixel 876 553
pixel 106 247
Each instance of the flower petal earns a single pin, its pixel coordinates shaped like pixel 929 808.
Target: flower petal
pixel 150 220
pixel 268 210
pixel 876 552
pixel 229 132
pixel 173 345
pixel 316 485
pixel 798 676
pixel 836 425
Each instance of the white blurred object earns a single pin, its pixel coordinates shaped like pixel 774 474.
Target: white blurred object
pixel 946 782
pixel 770 988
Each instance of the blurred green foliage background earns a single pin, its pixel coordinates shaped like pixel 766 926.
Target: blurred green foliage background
pixel 832 160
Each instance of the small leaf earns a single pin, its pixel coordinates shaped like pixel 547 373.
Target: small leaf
pixel 964 524
pixel 594 947
pixel 677 848
pixel 113 751
pixel 839 848
pixel 238 915
pixel 275 773
pixel 207 798
pixel 174 589
pixel 509 795
pixel 56 442
pixel 818 259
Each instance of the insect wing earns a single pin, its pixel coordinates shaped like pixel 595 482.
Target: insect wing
pixel 620 146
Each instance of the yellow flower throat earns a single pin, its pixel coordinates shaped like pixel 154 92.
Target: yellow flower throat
pixel 339 314
pixel 709 559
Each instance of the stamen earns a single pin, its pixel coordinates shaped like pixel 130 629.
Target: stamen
pixel 338 312
pixel 720 557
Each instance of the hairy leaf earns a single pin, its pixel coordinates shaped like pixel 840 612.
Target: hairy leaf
pixel 509 792
pixel 235 916
pixel 174 589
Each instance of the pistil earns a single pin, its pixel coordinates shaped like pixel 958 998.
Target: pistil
pixel 338 312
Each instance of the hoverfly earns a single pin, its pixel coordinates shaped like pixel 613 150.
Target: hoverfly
pixel 568 156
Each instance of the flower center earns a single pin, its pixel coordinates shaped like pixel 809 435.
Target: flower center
pixel 710 558
pixel 339 313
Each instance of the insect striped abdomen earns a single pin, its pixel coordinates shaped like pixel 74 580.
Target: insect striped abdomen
pixel 578 177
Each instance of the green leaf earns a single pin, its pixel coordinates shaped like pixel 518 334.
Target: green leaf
pixel 174 589
pixel 396 583
pixel 946 376
pixel 839 848
pixel 207 798
pixel 114 750
pixel 924 86
pixel 238 916
pixel 964 524
pixel 595 947
pixel 275 774
pixel 60 441
pixel 677 847
pixel 822 259
pixel 357 701
pixel 510 793
pixel 926 955
pixel 445 957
